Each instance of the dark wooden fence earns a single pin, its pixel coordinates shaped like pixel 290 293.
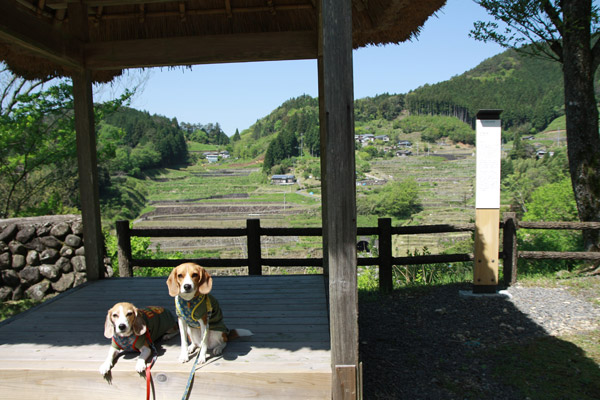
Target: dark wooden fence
pixel 511 253
pixel 384 231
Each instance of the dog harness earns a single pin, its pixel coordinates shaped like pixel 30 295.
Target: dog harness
pixel 194 310
pixel 158 321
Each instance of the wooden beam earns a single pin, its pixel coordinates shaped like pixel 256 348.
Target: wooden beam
pixel 336 108
pixel 228 8
pixel 38 35
pixel 86 156
pixel 211 11
pixel 58 4
pixel 201 50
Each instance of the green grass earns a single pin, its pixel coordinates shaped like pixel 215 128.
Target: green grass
pixel 10 308
pixel 558 123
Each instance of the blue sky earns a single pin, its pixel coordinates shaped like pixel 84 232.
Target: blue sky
pixel 236 95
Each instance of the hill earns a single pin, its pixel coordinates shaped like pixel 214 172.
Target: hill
pixel 528 90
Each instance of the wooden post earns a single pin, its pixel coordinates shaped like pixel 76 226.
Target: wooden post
pixel 336 112
pixel 253 243
pixel 384 228
pixel 86 154
pixel 124 249
pixel 487 231
pixel 509 248
pixel 487 201
pixel 347 375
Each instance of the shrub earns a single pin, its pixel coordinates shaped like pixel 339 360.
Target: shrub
pixel 550 202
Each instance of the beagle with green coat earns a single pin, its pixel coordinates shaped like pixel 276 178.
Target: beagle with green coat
pixel 136 329
pixel 197 310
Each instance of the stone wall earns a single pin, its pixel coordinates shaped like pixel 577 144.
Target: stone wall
pixel 40 256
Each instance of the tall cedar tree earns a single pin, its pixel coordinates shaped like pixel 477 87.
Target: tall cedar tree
pixel 566 31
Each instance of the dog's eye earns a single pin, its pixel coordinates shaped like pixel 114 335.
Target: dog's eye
pixel 129 313
pixel 194 275
pixel 180 276
pixel 115 315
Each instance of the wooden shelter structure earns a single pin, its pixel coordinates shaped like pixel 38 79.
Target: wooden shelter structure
pixel 94 40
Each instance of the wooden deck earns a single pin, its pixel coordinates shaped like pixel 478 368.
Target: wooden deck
pixel 54 351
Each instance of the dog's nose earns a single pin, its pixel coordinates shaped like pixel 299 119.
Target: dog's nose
pixel 122 327
pixel 187 287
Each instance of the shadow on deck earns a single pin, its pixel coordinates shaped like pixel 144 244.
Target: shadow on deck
pixel 54 350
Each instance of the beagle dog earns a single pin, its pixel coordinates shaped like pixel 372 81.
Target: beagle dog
pixel 196 310
pixel 136 329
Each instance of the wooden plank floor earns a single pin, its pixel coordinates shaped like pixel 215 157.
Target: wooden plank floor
pixel 54 351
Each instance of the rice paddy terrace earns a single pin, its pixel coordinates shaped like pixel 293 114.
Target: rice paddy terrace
pixel 226 196
pixel 446 180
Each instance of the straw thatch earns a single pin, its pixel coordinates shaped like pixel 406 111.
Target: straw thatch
pixel 374 22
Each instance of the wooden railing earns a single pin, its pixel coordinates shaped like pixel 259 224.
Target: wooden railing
pixel 384 231
pixel 511 253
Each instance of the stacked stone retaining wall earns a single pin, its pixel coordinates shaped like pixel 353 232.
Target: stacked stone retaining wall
pixel 40 256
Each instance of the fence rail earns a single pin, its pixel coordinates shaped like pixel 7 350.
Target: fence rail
pixel 384 231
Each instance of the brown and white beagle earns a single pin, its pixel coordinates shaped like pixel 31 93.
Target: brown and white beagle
pixel 196 310
pixel 136 329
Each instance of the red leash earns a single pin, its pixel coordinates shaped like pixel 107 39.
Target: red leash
pixel 148 381
pixel 149 366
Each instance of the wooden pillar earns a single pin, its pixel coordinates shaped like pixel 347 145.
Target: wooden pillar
pixel 336 111
pixel 384 228
pixel 487 202
pixel 86 154
pixel 509 248
pixel 124 249
pixel 253 245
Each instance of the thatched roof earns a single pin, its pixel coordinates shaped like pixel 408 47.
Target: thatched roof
pixel 46 37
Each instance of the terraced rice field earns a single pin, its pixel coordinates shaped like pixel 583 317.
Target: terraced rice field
pixel 447 184
pixel 227 196
pixel 197 197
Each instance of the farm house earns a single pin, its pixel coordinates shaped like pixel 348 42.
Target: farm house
pixel 94 41
pixel 283 179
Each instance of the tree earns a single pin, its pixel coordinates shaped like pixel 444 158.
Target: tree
pixel 37 145
pixel 566 31
pixel 397 199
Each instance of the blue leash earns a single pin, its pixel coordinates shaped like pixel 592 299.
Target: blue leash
pixel 204 338
pixel 191 378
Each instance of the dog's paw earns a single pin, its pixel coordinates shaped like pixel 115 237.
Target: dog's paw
pixel 183 357
pixel 105 368
pixel 202 358
pixel 140 366
pixel 191 348
pixel 218 350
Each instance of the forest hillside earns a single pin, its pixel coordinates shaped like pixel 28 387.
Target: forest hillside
pixel 529 91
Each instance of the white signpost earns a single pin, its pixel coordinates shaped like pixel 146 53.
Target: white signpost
pixel 487 201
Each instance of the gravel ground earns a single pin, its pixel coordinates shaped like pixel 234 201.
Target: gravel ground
pixel 431 343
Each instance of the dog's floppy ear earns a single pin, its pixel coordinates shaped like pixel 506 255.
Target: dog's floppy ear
pixel 139 325
pixel 109 328
pixel 205 285
pixel 172 283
